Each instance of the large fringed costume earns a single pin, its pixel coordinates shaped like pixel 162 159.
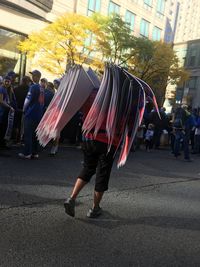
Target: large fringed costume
pixel 118 107
pixel 75 87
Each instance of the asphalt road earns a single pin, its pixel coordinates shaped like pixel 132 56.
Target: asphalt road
pixel 151 213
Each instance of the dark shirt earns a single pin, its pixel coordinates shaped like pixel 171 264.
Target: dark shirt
pixel 20 93
pixel 48 95
pixel 3 91
pixel 8 98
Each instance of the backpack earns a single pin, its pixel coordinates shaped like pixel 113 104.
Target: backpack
pixel 180 118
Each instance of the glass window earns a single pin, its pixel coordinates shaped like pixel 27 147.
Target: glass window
pixel 130 19
pixel 88 40
pixel 156 34
pixel 192 82
pixel 192 57
pixel 144 28
pixel 148 2
pixel 161 6
pixel 113 8
pixel 10 57
pixel 93 6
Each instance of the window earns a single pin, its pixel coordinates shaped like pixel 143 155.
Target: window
pixel 192 56
pixel 148 2
pixel 144 28
pixel 88 40
pixel 113 8
pixel 11 57
pixel 191 83
pixel 93 6
pixel 161 7
pixel 156 34
pixel 130 19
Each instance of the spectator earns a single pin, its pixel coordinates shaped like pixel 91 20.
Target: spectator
pixel 183 123
pixel 7 105
pixel 20 94
pixel 1 80
pixel 48 95
pixel 159 125
pixel 33 111
pixel 43 83
pixel 149 137
pixel 56 84
pixel 13 77
pixel 197 135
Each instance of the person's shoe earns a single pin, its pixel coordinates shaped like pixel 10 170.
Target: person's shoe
pixel 69 205
pixel 22 156
pixel 94 212
pixel 35 156
pixel 54 150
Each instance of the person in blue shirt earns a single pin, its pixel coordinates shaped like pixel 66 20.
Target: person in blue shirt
pixel 182 132
pixel 7 103
pixel 33 111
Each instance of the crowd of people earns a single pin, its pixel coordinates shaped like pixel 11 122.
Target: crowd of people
pixel 180 130
pixel 23 105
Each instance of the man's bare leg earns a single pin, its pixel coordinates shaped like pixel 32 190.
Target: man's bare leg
pixel 96 210
pixel 77 188
pixel 69 204
pixel 97 198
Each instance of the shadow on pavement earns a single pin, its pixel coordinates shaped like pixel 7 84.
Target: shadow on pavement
pixel 109 221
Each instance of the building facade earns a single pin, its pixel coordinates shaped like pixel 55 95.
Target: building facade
pixel 18 19
pixel 153 19
pixel 188 21
pixel 190 92
pixel 187 47
pixel 171 20
pixel 147 18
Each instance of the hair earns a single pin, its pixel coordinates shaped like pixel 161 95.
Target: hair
pixel 26 79
pixel 44 80
pixel 50 85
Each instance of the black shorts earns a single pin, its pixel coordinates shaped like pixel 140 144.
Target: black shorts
pixel 97 160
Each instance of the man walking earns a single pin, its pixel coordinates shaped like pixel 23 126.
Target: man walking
pixel 97 160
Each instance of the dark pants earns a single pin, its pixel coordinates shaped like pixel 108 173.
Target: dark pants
pixel 197 144
pixel 30 140
pixel 156 137
pixel 97 160
pixel 149 144
pixel 179 135
pixel 3 128
pixel 172 140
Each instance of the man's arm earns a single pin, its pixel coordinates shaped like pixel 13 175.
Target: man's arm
pixel 3 103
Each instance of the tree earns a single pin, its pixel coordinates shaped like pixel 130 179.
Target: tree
pixel 61 43
pixel 116 40
pixel 157 64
